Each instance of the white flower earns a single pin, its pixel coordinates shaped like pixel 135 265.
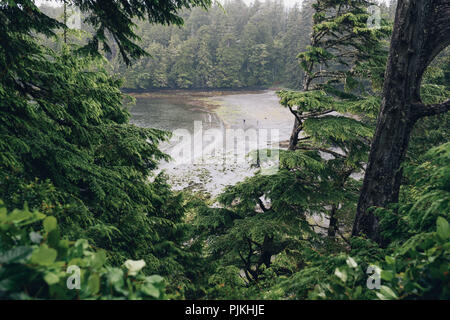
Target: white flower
pixel 35 237
pixel 351 262
pixel 134 266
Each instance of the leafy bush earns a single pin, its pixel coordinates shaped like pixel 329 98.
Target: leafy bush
pixel 419 269
pixel 416 264
pixel 36 263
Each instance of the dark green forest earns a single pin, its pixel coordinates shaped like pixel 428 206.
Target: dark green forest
pixel 233 45
pixel 225 47
pixel 79 183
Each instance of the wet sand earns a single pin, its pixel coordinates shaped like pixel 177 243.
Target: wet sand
pixel 216 110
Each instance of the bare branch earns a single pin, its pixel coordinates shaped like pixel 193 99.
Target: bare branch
pixel 333 153
pixel 261 205
pixel 317 114
pixel 342 236
pixel 422 110
pixel 296 115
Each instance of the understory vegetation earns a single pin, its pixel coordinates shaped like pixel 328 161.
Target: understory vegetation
pixel 79 191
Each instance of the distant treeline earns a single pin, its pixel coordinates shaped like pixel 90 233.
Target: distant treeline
pixel 232 46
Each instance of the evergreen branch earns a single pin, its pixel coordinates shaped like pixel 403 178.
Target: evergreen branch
pixel 256 243
pixel 318 226
pixel 328 74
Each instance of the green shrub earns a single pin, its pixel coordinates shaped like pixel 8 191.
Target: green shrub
pixel 36 263
pixel 419 269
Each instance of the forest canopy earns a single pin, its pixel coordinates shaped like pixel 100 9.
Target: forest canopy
pixel 227 46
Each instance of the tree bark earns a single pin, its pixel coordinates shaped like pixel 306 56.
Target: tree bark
pixel 333 225
pixel 421 31
pixel 293 140
pixel 298 123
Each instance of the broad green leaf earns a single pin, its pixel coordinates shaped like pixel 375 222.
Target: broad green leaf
pixel 389 260
pixel 351 262
pixel 150 290
pixel 443 228
pixel 50 224
pixel 388 293
pixel 155 279
pixel 381 296
pixel 44 256
pixel 19 215
pixel 115 275
pixel 387 275
pixel 51 278
pixel 99 259
pixel 82 244
pixel 94 283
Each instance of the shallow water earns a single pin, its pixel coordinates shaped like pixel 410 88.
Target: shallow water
pixel 210 172
pixel 170 114
pixel 261 110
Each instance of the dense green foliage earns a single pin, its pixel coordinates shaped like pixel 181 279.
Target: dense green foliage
pixel 35 264
pixel 417 261
pixel 77 180
pixel 234 45
pixel 68 150
pixel 288 235
pixel 228 46
pixel 306 264
pixel 315 180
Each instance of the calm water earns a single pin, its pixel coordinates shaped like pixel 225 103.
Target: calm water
pixel 170 114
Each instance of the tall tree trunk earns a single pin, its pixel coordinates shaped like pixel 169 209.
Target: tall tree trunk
pixel 421 31
pixel 293 140
pixel 333 225
pixel 298 123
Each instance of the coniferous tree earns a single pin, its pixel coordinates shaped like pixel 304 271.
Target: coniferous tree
pixel 336 109
pixel 402 105
pixel 267 216
pixel 341 45
pixel 66 145
pixel 296 38
pixel 236 45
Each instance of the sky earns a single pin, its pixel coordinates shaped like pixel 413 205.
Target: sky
pixel 288 3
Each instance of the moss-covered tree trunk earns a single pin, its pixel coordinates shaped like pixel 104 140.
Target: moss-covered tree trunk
pixel 421 31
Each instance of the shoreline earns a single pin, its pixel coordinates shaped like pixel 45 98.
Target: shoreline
pixel 197 98
pixel 168 93
pixel 204 99
pixel 213 174
pixel 200 90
